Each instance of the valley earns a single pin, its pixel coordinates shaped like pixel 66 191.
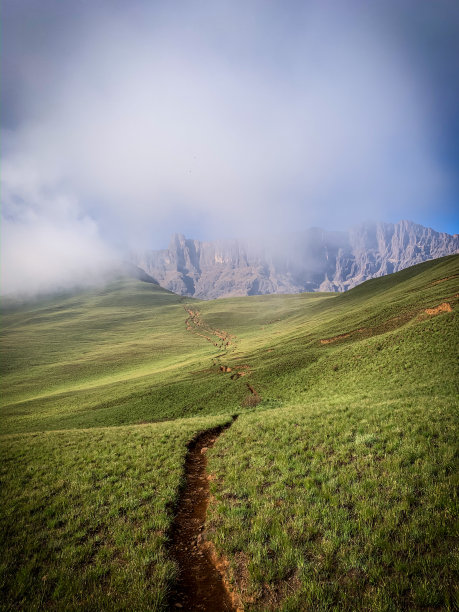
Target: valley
pixel 333 489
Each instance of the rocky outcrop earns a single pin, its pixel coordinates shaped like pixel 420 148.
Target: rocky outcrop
pixel 313 260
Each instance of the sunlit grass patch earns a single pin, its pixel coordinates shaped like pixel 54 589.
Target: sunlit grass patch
pixel 352 506
pixel 85 515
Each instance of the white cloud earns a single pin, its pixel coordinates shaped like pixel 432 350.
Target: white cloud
pixel 223 119
pixel 47 242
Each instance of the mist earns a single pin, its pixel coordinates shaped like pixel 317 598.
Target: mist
pixel 125 123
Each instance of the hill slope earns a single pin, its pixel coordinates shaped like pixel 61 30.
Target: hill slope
pixel 332 490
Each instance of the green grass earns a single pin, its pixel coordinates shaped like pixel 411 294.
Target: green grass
pixel 335 491
pixel 113 357
pixel 348 506
pixel 85 515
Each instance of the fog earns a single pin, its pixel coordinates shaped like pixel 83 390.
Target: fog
pixel 125 122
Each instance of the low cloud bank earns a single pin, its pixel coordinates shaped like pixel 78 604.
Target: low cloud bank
pixel 221 119
pixel 48 242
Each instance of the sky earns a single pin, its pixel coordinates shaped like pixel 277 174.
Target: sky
pixel 123 122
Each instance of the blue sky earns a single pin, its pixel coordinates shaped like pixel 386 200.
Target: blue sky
pixel 123 122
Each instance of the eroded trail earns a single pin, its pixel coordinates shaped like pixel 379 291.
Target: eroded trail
pixel 200 585
pixel 220 338
pixel 225 342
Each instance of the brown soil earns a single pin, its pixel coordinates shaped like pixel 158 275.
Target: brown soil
pixel 446 278
pixel 342 336
pixel 237 375
pixel 393 323
pixel 253 399
pixel 382 328
pixel 200 585
pixel 218 337
pixel 195 324
pixel 334 339
pixel 445 307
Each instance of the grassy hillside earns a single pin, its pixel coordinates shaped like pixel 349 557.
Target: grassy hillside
pixel 85 514
pixel 334 489
pixel 99 358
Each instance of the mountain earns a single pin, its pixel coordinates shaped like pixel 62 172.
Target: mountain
pixel 312 260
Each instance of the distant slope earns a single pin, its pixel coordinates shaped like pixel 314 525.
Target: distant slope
pixel 314 260
pixel 132 351
pixel 28 295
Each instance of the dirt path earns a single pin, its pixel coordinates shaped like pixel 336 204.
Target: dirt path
pixel 200 585
pixel 226 343
pixel 218 337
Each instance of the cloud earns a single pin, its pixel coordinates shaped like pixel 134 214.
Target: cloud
pixel 216 120
pixel 47 242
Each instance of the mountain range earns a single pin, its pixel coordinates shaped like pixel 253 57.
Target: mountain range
pixel 310 260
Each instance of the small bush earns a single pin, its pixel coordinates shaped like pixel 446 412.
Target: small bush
pixel 251 401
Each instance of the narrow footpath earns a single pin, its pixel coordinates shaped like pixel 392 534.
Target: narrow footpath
pixel 200 585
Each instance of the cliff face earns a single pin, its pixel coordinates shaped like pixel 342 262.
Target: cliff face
pixel 313 260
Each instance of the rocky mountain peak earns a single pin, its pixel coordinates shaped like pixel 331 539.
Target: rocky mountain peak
pixel 312 260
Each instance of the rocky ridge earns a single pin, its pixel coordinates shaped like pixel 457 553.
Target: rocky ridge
pixel 312 260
